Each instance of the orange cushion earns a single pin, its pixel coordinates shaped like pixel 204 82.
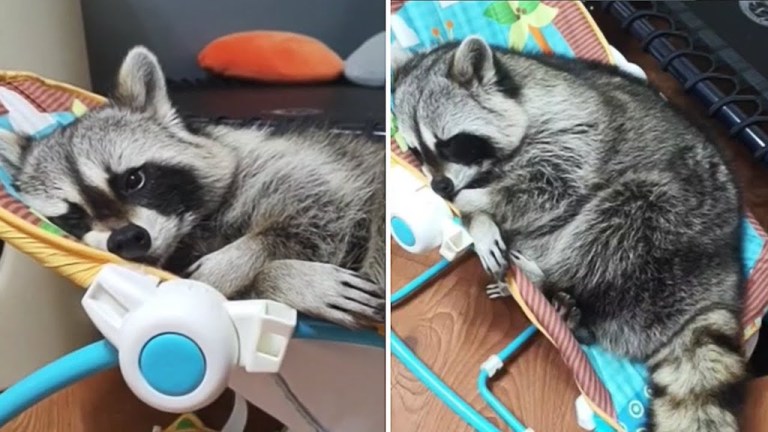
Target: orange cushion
pixel 271 56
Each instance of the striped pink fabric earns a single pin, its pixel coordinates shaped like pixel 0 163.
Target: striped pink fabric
pixel 569 348
pixel 575 27
pixel 17 208
pixel 395 5
pixel 756 294
pixel 45 97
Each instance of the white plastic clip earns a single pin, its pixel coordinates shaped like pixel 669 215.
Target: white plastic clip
pixel 492 365
pixel 585 417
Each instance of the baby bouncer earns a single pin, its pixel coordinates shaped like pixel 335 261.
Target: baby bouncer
pixel 614 391
pixel 178 343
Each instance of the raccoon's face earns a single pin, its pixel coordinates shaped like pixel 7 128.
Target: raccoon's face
pixel 127 178
pixel 457 109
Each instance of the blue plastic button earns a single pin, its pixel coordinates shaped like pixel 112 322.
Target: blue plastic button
pixel 402 231
pixel 172 364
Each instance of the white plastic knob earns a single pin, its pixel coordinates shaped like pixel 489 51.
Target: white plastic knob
pixel 187 308
pixel 131 310
pixel 179 341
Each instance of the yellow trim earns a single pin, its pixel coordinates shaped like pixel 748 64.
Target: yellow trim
pixel 596 30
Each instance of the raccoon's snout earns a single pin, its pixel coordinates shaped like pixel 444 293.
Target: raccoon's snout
pixel 443 186
pixel 129 242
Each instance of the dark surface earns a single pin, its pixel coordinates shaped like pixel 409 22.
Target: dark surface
pixel 342 105
pixel 176 30
pixel 742 34
pixel 697 66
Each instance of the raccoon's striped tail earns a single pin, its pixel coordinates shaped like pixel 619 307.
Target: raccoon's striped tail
pixel 698 378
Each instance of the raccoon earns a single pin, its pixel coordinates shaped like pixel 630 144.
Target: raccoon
pixel 297 217
pixel 626 209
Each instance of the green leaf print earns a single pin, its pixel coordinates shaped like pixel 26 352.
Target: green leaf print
pixel 501 13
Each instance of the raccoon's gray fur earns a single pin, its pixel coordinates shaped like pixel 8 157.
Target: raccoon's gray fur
pixel 626 207
pixel 296 217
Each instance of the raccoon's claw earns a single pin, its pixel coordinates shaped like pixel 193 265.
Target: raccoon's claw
pixel 493 258
pixel 497 290
pixel 490 247
pixel 358 299
pixel 565 306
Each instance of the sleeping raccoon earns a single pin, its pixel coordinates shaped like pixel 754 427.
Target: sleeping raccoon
pixel 296 217
pixel 627 209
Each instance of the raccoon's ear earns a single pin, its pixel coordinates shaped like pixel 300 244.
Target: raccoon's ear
pixel 473 62
pixel 12 149
pixel 141 85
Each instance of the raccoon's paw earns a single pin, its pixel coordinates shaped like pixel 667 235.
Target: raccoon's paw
pixel 565 306
pixel 489 246
pixel 324 291
pixel 350 300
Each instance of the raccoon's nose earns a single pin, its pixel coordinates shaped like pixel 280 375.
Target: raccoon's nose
pixel 443 186
pixel 129 242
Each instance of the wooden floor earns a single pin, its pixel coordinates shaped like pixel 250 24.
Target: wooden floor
pixel 453 327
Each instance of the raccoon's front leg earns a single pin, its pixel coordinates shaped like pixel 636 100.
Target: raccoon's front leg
pixel 321 290
pixel 489 245
pixel 231 267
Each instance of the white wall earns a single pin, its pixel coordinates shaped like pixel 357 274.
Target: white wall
pixel 45 37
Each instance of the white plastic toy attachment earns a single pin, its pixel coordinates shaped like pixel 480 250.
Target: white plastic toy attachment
pixel 456 240
pixel 421 221
pixel 179 341
pixel 264 328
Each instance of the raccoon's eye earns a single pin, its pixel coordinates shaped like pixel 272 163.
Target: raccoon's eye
pixel 465 149
pixel 133 180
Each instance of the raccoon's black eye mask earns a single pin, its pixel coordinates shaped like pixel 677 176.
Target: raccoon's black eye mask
pixel 465 149
pixel 75 221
